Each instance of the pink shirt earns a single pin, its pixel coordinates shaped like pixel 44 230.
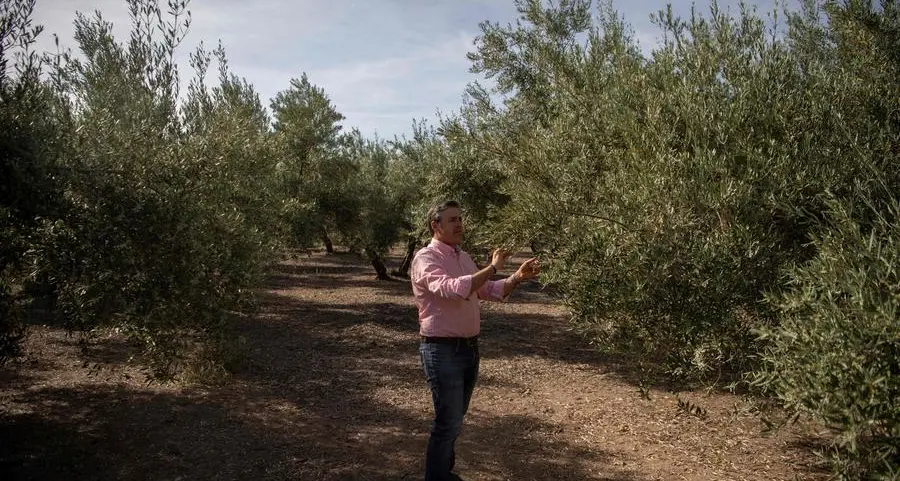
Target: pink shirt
pixel 441 278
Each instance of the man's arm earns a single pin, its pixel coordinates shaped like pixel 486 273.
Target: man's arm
pixel 510 284
pixel 500 290
pixel 426 271
pixel 480 278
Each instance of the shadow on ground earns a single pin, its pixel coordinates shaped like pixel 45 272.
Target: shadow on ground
pixel 327 391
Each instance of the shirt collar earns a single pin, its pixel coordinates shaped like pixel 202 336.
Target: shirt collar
pixel 443 248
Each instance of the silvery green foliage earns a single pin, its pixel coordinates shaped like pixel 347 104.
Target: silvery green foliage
pixel 30 193
pixel 316 163
pixel 673 194
pixel 835 356
pixel 169 213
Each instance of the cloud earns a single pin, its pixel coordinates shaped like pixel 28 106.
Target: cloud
pixel 58 17
pixel 383 63
pixel 393 91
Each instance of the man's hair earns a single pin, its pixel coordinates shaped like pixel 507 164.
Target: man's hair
pixel 434 213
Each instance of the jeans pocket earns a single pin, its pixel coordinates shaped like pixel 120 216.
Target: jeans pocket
pixel 423 358
pixel 430 357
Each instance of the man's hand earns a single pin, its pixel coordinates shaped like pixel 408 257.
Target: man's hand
pixel 498 258
pixel 528 270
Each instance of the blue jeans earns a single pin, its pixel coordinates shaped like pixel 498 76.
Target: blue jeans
pixel 451 370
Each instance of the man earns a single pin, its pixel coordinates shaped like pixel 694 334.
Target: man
pixel 447 286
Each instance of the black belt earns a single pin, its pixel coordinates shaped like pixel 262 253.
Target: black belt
pixel 456 341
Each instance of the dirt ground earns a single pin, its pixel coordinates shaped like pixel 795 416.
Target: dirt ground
pixel 330 388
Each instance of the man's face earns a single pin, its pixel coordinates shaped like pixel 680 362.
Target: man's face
pixel 449 229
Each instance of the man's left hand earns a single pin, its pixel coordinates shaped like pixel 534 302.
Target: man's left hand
pixel 529 269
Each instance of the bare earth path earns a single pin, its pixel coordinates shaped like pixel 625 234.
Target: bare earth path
pixel 331 389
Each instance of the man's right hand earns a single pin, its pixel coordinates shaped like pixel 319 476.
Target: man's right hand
pixel 498 258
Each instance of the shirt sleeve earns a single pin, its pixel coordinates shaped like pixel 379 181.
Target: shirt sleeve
pixel 428 273
pixel 492 290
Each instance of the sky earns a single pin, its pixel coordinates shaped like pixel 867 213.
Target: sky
pixel 383 63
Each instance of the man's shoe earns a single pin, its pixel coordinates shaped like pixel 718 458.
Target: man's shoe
pixel 455 477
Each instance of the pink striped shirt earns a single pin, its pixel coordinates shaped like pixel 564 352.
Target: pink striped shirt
pixel 441 278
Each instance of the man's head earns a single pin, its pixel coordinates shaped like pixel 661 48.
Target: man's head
pixel 445 222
